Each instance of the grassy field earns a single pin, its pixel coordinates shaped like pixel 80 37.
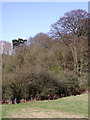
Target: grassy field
pixel 69 107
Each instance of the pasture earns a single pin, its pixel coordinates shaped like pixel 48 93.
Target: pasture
pixel 66 107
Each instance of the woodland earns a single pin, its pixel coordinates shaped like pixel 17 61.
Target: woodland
pixel 48 66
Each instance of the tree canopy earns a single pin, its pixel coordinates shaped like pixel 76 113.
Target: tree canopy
pixel 74 23
pixel 48 66
pixel 16 42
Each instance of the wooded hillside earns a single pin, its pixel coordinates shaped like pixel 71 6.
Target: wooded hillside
pixel 48 66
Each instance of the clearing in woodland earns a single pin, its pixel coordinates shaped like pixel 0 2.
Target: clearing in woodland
pixel 67 107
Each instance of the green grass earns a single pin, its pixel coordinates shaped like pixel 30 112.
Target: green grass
pixel 77 105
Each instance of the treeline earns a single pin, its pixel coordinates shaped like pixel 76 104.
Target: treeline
pixel 48 66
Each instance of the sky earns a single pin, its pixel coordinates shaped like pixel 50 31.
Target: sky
pixel 26 19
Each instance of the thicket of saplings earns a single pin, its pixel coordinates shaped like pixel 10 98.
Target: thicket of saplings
pixel 48 66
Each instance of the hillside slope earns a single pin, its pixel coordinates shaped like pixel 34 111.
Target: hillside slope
pixel 69 107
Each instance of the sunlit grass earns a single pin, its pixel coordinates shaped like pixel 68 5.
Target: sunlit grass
pixel 73 104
